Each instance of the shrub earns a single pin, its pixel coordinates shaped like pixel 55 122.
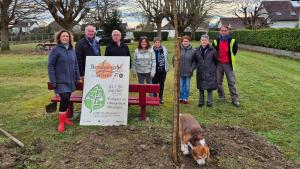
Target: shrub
pixel 77 36
pixel 284 38
pixel 197 35
pixel 150 35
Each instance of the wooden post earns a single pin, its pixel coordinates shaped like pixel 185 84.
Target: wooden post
pixel 175 145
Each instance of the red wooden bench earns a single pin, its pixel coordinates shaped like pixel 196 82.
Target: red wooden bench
pixel 75 98
pixel 142 100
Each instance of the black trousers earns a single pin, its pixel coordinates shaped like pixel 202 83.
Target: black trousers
pixel 209 96
pixel 160 78
pixel 65 100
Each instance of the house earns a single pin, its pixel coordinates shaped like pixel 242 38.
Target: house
pixel 235 23
pixel 232 23
pixel 24 27
pixel 168 28
pixel 54 27
pixel 296 5
pixel 283 14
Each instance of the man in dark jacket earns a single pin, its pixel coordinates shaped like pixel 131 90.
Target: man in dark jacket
pixel 227 49
pixel 87 46
pixel 117 47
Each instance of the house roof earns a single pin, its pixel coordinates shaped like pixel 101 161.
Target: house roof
pixel 233 23
pixel 280 10
pixel 168 26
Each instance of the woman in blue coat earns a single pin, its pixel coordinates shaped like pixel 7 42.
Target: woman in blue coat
pixel 63 73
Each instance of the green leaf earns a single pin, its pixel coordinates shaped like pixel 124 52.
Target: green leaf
pixel 95 98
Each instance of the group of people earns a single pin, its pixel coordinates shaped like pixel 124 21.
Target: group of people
pixel 211 62
pixel 66 65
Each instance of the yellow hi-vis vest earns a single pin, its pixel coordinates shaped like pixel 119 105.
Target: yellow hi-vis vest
pixel 231 51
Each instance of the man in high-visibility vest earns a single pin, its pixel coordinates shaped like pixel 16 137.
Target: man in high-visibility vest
pixel 227 48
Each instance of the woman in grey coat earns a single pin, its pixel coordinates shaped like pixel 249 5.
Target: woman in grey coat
pixel 186 68
pixel 63 73
pixel 206 61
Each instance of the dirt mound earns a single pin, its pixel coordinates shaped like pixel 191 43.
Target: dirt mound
pixel 146 148
pixel 11 157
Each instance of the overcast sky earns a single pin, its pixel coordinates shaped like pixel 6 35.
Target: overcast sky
pixel 133 19
pixel 223 10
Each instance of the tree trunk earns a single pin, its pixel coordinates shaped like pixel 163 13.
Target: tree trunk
pixel 4 18
pixel 180 30
pixel 4 32
pixel 158 25
pixel 193 34
pixel 148 26
pixel 4 37
pixel 66 25
pixel 175 144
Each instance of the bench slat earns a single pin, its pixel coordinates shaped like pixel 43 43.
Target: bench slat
pixel 144 88
pixel 73 98
pixel 150 101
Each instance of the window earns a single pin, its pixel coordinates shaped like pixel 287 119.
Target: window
pixel 293 13
pixel 278 13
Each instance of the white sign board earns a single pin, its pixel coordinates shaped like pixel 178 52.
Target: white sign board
pixel 105 93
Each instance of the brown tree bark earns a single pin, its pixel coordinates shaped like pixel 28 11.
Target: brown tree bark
pixel 67 13
pixel 175 145
pixel 4 37
pixel 158 25
pixel 4 18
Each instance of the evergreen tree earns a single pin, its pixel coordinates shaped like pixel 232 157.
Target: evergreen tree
pixel 113 22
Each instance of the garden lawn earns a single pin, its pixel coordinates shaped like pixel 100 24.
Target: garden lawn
pixel 268 89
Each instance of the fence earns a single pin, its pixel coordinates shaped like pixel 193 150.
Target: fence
pixel 17 39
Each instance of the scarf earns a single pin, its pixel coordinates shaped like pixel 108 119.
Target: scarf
pixel 93 44
pixel 160 59
pixel 66 45
pixel 222 38
pixel 204 50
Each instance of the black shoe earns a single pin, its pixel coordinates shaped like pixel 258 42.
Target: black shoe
pixel 236 103
pixel 161 102
pixel 209 105
pixel 200 104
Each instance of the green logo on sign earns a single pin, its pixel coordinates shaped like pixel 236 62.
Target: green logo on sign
pixel 95 98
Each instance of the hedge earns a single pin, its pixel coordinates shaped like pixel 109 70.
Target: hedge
pixel 78 36
pixel 197 35
pixel 150 35
pixel 284 38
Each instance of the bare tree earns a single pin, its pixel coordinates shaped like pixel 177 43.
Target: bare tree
pixel 190 12
pixel 100 10
pixel 155 11
pixel 13 11
pixel 253 15
pixel 66 13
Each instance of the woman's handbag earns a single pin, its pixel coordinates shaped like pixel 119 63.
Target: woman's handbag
pixel 51 107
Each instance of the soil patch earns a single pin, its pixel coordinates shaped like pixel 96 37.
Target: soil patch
pixel 11 156
pixel 133 147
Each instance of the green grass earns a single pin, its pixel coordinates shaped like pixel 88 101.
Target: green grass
pixel 268 89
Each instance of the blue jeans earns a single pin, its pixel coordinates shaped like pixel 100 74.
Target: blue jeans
pixel 184 88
